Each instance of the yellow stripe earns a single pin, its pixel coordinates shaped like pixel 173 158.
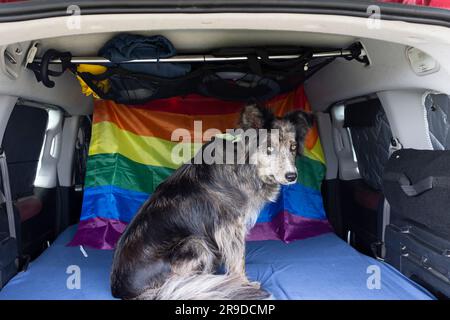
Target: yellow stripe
pixel 108 138
pixel 316 153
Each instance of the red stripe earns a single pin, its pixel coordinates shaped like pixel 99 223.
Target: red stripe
pixel 192 105
pixel 195 104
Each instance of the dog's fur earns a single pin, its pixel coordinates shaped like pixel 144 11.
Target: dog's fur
pixel 197 219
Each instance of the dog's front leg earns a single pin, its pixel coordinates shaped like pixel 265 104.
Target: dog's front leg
pixel 231 245
pixel 236 265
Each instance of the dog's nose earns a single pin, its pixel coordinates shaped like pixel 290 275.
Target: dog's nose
pixel 291 176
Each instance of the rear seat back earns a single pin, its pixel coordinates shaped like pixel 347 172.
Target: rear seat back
pixel 417 185
pixel 371 136
pixel 23 144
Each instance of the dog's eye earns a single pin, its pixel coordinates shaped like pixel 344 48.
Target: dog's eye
pixel 269 150
pixel 293 147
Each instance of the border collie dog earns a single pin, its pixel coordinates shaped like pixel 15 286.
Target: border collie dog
pixel 197 219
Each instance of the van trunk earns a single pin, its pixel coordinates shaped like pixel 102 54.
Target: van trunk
pixel 375 87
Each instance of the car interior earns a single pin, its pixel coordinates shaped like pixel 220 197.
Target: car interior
pixel 380 96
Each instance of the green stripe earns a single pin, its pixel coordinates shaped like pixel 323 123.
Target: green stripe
pixel 310 172
pixel 117 170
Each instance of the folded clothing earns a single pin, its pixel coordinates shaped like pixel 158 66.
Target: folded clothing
pixel 125 47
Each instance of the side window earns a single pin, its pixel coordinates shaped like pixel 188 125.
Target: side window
pixel 437 107
pixel 371 136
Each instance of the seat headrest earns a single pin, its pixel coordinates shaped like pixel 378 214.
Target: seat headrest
pixel 362 114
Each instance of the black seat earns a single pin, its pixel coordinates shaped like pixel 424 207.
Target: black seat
pixel 371 136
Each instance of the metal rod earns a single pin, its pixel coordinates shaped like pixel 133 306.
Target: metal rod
pixel 199 58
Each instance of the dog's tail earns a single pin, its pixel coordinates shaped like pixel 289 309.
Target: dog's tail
pixel 205 287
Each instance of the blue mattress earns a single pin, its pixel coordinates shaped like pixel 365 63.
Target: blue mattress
pixel 323 267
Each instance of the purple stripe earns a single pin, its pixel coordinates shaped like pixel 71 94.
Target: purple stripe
pixel 101 233
pixel 289 227
pixel 98 233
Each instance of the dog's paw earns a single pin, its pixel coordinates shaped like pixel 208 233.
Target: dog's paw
pixel 255 284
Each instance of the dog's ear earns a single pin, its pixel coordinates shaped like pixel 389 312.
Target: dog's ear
pixel 302 121
pixel 256 117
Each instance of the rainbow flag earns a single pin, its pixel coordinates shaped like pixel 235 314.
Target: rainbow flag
pixel 130 154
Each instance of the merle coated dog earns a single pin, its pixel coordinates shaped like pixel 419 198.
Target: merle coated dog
pixel 197 219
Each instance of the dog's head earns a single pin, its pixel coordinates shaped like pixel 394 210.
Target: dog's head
pixel 276 151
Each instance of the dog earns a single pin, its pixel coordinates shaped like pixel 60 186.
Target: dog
pixel 198 218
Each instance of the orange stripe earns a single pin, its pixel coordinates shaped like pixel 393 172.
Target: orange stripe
pixel 156 123
pixel 160 124
pixel 294 101
pixel 283 106
pixel 313 134
pixel 311 137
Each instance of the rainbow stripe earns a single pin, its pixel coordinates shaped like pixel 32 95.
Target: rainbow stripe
pixel 130 155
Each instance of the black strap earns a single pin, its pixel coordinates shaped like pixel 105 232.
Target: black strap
pixel 419 187
pixel 88 79
pixel 356 50
pixel 254 64
pixel 41 70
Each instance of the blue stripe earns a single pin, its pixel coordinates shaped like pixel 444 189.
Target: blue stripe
pixel 112 202
pixel 298 200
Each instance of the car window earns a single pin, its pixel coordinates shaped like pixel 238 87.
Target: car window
pixel 437 108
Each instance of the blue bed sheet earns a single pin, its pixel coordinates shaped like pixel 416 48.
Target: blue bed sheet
pixel 323 267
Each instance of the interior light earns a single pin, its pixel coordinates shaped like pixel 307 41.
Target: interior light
pixel 421 62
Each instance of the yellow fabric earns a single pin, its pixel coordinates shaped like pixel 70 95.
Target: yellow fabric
pixel 104 85
pixel 91 68
pixel 316 153
pixel 108 138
